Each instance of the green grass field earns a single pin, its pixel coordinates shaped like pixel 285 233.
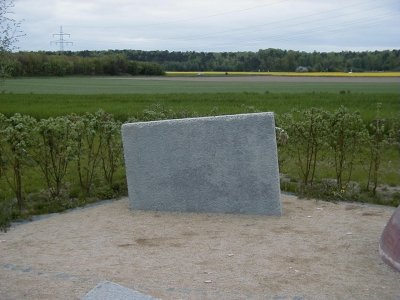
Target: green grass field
pixel 125 106
pixel 127 97
pixel 132 85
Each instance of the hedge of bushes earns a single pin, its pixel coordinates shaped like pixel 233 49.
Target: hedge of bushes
pixel 57 163
pixel 339 143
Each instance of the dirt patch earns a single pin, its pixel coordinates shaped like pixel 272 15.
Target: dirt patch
pixel 316 250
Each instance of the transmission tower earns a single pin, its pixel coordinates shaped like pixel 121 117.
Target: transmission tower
pixel 61 41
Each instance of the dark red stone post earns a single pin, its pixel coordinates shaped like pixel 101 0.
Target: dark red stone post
pixel 389 245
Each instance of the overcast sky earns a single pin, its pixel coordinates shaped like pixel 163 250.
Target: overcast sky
pixel 210 25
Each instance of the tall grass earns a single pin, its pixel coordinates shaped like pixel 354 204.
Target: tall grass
pixel 125 106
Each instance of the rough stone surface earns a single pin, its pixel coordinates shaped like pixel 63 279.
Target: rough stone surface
pixel 389 245
pixel 224 164
pixel 112 291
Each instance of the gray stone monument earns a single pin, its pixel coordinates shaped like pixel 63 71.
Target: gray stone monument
pixel 224 164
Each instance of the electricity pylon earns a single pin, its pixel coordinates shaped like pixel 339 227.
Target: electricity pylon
pixel 61 41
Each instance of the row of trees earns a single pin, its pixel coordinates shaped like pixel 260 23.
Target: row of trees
pixel 42 64
pixel 263 60
pixel 135 62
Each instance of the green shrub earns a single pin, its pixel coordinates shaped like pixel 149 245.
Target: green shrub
pixel 377 140
pixel 16 142
pixel 307 131
pixel 56 148
pixel 111 151
pixel 89 144
pixel 346 138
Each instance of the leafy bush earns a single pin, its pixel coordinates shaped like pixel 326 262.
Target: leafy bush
pixel 307 131
pixel 111 152
pixel 346 136
pixel 377 140
pixel 98 147
pixel 338 142
pixel 16 140
pixel 50 147
pixel 56 148
pixel 89 144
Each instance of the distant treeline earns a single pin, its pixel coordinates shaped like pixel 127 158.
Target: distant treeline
pixel 138 62
pixel 54 64
pixel 266 60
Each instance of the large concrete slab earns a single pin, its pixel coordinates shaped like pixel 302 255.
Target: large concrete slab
pixel 112 291
pixel 224 164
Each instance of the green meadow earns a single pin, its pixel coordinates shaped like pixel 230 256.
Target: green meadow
pixel 132 85
pixel 127 97
pixel 124 106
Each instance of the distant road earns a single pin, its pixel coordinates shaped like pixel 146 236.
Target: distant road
pixel 287 79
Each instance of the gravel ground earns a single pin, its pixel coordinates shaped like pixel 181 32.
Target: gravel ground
pixel 316 250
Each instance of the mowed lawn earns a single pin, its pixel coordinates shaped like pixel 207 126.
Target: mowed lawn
pixel 167 85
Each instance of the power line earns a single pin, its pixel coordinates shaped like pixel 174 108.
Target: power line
pixel 61 41
pixel 218 14
pixel 184 20
pixel 332 28
pixel 344 26
pixel 304 20
pixel 286 29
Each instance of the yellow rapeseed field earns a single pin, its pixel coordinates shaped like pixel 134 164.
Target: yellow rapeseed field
pixel 316 74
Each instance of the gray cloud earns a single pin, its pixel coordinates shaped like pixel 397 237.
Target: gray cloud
pixel 212 25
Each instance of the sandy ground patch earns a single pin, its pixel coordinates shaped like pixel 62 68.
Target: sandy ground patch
pixel 316 250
